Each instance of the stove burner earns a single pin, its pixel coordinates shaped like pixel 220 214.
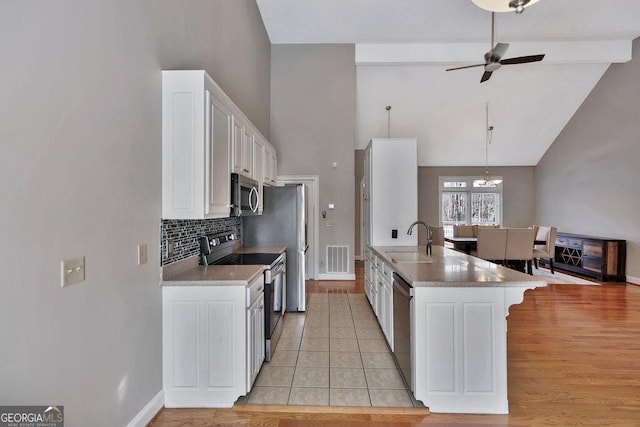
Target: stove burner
pixel 248 259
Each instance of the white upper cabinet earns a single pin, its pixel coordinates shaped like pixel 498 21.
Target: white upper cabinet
pixel 239 138
pixel 244 141
pixel 391 191
pixel 270 165
pixel 218 181
pixel 258 169
pixel 205 137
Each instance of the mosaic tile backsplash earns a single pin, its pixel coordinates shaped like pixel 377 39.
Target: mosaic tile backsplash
pixel 185 233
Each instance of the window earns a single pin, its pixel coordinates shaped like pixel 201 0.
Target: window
pixel 469 200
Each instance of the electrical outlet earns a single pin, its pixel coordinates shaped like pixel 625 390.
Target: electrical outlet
pixel 142 254
pixel 71 271
pixel 321 263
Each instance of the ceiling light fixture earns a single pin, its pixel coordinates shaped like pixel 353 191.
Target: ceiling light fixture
pixel 504 5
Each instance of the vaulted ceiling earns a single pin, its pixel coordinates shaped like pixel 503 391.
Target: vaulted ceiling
pixel 404 46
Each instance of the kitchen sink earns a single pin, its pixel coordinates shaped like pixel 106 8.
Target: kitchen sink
pixel 415 257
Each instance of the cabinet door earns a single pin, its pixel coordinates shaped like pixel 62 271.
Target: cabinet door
pixel 218 182
pixel 255 340
pixel 247 155
pixel 238 145
pixel 258 171
pixel 270 164
pixel 203 330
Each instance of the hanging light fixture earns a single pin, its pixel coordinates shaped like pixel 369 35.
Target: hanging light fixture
pixel 486 180
pixel 504 5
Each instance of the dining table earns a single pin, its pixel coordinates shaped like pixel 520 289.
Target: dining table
pixel 467 244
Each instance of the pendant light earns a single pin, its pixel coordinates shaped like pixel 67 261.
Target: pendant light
pixel 486 180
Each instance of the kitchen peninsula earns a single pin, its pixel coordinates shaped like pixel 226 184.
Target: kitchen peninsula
pixel 458 308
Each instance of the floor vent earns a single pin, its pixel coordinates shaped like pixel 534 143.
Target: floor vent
pixel 338 259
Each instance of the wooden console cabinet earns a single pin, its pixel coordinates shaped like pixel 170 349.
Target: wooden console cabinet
pixel 597 257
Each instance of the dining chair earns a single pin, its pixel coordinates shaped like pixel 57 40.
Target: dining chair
pixel 463 231
pixel 437 235
pixel 520 246
pixel 547 251
pixel 492 244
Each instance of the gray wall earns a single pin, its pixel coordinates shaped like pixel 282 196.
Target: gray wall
pixel 313 125
pixel 587 182
pixel 517 193
pixel 518 196
pixel 80 166
pixel 226 38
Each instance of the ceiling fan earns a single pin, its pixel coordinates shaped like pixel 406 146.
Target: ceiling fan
pixel 493 59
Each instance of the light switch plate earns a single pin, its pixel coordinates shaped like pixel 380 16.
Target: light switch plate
pixel 71 271
pixel 142 254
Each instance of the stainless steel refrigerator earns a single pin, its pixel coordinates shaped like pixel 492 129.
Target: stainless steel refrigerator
pixel 283 223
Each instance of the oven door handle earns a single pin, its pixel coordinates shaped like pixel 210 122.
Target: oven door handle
pixel 278 268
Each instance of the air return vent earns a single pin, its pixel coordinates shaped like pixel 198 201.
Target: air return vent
pixel 337 259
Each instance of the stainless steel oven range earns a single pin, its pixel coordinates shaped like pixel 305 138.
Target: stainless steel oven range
pixel 224 249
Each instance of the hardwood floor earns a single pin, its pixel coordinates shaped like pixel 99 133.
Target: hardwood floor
pixel 573 359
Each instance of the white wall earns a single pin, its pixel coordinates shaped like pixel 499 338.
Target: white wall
pixel 80 166
pixel 587 182
pixel 313 126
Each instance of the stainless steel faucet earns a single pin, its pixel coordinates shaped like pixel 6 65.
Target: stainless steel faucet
pixel 429 234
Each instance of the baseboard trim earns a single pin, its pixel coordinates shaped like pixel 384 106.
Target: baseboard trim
pixel 149 411
pixel 343 410
pixel 336 276
pixel 634 280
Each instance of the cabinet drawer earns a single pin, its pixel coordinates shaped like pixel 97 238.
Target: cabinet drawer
pixel 592 249
pixel 387 273
pixel 562 242
pixel 254 290
pixel 377 262
pixel 575 243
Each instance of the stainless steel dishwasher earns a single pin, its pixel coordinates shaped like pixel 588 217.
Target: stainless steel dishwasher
pixel 402 295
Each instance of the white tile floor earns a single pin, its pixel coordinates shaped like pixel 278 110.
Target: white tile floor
pixel 334 354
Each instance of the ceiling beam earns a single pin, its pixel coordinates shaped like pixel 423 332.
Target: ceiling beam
pixel 564 52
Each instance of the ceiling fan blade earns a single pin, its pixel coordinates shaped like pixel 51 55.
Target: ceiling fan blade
pixel 466 66
pixel 522 59
pixel 499 51
pixel 486 76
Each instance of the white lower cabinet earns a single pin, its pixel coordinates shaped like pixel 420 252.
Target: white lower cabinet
pixel 460 348
pixel 255 340
pixel 210 343
pixel 368 273
pixel 379 289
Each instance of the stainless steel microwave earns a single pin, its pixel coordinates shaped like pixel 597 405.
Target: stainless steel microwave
pixel 245 197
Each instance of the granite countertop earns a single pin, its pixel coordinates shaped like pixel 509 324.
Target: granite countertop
pixel 450 268
pixel 188 273
pixel 216 275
